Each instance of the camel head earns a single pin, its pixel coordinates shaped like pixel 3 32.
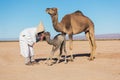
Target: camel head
pixel 52 11
pixel 47 34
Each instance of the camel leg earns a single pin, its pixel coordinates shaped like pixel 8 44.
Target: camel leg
pixel 92 56
pixel 51 55
pixel 61 47
pixel 91 39
pixel 71 46
pixel 64 46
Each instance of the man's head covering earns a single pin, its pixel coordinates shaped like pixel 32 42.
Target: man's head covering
pixel 40 28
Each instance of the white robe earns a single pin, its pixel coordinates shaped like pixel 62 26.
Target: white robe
pixel 27 39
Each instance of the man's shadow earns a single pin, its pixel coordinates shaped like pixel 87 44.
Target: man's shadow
pixel 68 56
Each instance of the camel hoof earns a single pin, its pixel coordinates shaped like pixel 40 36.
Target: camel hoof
pixel 71 60
pixel 46 63
pixel 91 59
pixel 65 62
pixel 49 64
pixel 58 62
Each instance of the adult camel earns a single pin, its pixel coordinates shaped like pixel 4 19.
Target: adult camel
pixel 74 23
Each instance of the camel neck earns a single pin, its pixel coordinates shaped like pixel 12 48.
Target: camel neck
pixel 56 24
pixel 49 41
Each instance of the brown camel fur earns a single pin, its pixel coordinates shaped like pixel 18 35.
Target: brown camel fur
pixel 74 23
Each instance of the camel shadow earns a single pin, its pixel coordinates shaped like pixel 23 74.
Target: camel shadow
pixel 40 59
pixel 81 55
pixel 44 59
pixel 68 56
pixel 75 56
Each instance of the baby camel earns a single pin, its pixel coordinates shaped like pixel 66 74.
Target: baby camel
pixel 58 42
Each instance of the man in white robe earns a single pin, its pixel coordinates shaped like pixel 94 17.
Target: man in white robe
pixel 28 37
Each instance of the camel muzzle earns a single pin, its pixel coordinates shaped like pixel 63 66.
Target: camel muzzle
pixel 47 10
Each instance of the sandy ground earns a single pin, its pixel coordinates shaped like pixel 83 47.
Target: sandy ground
pixel 106 66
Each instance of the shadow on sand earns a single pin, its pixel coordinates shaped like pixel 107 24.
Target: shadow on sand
pixel 81 55
pixel 68 56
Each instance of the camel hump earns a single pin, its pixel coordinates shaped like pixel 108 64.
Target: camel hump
pixel 78 12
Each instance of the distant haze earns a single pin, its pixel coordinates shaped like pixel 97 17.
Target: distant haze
pixel 79 37
pixel 99 37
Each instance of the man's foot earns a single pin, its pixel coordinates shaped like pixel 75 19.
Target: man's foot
pixel 29 63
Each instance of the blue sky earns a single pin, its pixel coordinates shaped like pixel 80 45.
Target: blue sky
pixel 16 15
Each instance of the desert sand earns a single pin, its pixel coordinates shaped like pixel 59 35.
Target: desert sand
pixel 106 66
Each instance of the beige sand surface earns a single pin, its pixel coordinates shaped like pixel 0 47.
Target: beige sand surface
pixel 106 66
